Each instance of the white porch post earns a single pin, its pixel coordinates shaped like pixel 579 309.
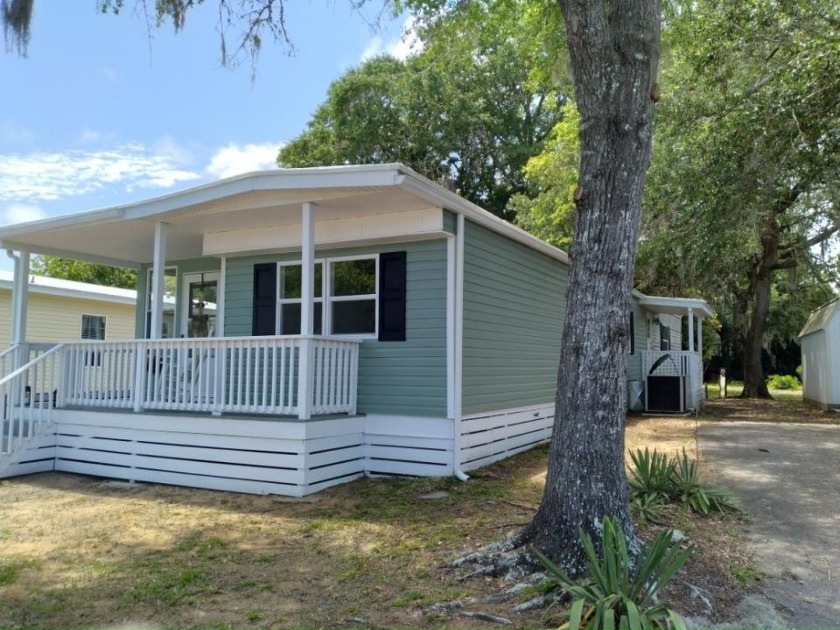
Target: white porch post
pixel 306 371
pixel 691 330
pixel 20 297
pixel 158 275
pixel 700 337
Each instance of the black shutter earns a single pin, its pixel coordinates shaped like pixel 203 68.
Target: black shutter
pixel 392 281
pixel 265 299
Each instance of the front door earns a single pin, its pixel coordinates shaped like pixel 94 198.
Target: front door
pixel 200 306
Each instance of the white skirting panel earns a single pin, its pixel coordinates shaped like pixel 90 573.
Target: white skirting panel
pixel 38 455
pixel 494 435
pixel 420 447
pixel 291 458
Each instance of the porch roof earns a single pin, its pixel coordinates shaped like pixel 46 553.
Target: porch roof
pixel 124 235
pixel 675 306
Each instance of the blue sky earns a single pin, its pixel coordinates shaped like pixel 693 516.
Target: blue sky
pixel 99 114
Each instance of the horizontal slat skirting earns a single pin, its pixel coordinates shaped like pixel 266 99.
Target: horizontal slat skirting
pixel 412 469
pixel 409 455
pixel 29 468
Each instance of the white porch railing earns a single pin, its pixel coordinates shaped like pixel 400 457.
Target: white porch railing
pixel 254 375
pixel 678 363
pixel 28 395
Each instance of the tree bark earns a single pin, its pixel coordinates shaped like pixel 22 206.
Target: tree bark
pixel 614 53
pixel 760 288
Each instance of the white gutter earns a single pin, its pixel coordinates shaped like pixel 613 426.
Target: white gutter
pixel 459 346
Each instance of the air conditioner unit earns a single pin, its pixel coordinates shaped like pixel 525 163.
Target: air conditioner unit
pixel 665 393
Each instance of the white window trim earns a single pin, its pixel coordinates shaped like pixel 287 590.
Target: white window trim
pixel 327 298
pixel 82 326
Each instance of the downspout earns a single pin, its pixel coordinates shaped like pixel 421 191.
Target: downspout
pixel 458 345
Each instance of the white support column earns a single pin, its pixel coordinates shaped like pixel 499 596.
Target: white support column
pixel 20 297
pixel 158 276
pixel 691 330
pixel 700 337
pixel 220 299
pixel 307 274
pixel 306 369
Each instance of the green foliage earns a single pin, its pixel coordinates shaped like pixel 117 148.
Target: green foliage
pixel 743 186
pixel 651 485
pixel 656 481
pixel 79 271
pixel 621 592
pixel 548 210
pixel 692 491
pixel 467 110
pixel 783 381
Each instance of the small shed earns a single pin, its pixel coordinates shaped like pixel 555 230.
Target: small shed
pixel 820 341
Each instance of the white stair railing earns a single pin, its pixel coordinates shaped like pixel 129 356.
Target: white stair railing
pixel 28 396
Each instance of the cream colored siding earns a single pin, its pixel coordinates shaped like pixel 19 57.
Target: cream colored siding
pixel 58 318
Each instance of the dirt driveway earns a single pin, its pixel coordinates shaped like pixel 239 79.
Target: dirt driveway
pixel 787 477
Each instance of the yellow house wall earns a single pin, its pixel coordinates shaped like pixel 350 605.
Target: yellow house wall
pixel 59 318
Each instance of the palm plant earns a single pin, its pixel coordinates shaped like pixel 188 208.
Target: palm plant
pixel 691 490
pixel 621 593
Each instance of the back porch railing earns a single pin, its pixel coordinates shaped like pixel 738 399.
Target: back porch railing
pixel 678 363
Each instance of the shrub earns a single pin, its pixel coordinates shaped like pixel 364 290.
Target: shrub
pixel 691 490
pixel 655 481
pixel 786 381
pixel 621 593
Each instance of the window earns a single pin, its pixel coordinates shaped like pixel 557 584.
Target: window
pixel 359 295
pixel 664 337
pixel 353 296
pixel 93 327
pixel 348 289
pixel 631 344
pixel 289 292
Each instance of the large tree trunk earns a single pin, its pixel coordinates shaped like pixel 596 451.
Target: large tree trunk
pixel 755 385
pixel 614 51
pixel 768 261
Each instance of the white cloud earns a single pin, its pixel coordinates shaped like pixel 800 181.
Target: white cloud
pixel 236 159
pixel 21 213
pixel 400 47
pixel 50 176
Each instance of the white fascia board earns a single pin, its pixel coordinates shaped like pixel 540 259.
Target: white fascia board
pixel 319 178
pixel 676 306
pixel 426 189
pixel 56 223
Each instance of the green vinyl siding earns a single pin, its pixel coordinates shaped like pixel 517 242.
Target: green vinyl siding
pixel 395 377
pixel 514 309
pixel 450 222
pixel 193 265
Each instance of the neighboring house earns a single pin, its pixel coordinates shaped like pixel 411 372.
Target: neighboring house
pixel 327 323
pixel 64 310
pixel 820 341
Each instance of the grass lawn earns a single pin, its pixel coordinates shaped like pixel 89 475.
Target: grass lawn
pixel 84 552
